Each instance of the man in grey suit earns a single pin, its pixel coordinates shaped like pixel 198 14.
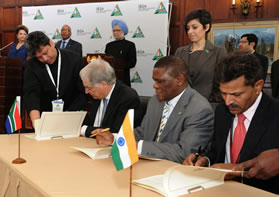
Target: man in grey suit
pixel 178 119
pixel 67 43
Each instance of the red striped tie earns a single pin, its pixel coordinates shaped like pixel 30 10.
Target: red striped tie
pixel 238 138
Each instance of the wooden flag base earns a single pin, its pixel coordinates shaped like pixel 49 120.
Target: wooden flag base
pixel 19 161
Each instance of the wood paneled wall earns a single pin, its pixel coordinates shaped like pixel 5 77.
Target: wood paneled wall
pixel 10 15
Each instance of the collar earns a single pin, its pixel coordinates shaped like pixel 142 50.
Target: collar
pixel 109 94
pixel 249 113
pixel 67 40
pixel 174 100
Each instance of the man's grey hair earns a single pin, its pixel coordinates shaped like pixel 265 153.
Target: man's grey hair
pixel 97 71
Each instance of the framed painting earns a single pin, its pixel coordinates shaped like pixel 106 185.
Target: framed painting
pixel 228 35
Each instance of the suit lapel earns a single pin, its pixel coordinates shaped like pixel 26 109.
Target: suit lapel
pixel 69 44
pixel 156 119
pixel 177 112
pixel 256 129
pixel 112 101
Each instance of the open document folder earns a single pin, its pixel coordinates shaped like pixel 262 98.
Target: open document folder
pixel 58 125
pixel 180 180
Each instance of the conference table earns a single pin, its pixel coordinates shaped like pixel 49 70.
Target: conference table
pixel 53 168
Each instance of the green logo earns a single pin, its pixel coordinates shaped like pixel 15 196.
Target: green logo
pixel 96 34
pixel 38 15
pixel 158 55
pixel 76 13
pixel 138 33
pixel 56 35
pixel 136 78
pixel 161 9
pixel 116 11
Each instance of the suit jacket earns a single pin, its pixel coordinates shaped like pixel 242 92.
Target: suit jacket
pixel 262 135
pixel 189 126
pixel 122 99
pixel 39 91
pixel 275 79
pixel 126 50
pixel 201 75
pixel 72 46
pixel 264 62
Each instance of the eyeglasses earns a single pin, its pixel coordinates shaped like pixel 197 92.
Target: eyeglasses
pixel 243 41
pixel 116 30
pixel 65 30
pixel 88 88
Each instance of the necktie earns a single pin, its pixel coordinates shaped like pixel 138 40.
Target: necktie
pixel 238 138
pixel 164 120
pixel 63 44
pixel 105 101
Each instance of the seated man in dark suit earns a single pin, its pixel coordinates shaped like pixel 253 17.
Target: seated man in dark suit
pixel 246 124
pixel 67 42
pixel 248 43
pixel 178 119
pixel 111 98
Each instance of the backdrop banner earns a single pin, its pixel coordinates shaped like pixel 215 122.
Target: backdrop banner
pixel 91 25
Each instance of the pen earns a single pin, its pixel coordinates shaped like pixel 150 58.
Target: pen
pixel 107 129
pixel 197 154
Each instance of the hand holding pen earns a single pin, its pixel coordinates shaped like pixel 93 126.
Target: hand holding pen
pixel 197 154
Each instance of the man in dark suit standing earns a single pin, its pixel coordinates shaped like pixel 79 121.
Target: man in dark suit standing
pixel 249 43
pixel 67 42
pixel 246 124
pixel 111 98
pixel 274 78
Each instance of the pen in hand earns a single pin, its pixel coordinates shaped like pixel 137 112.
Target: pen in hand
pixel 107 129
pixel 197 154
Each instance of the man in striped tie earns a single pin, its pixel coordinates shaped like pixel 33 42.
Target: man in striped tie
pixel 178 119
pixel 247 123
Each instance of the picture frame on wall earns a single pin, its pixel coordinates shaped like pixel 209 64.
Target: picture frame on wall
pixel 228 35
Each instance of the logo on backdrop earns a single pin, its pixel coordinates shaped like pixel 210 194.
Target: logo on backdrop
pixel 138 33
pixel 158 55
pixel 161 9
pixel 96 34
pixel 144 7
pixel 75 13
pixel 136 78
pixel 57 35
pixel 62 12
pixel 38 15
pixel 116 11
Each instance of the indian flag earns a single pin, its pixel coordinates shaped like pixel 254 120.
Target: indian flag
pixel 13 121
pixel 124 150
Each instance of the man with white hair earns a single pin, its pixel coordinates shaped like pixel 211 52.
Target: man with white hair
pixel 111 98
pixel 122 48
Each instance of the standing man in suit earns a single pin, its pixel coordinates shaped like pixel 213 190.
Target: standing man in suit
pixel 248 43
pixel 111 98
pixel 178 119
pixel 274 78
pixel 122 48
pixel 67 42
pixel 246 124
pixel 51 78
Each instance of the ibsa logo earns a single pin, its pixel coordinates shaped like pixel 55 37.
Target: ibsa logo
pixel 158 55
pixel 56 35
pixel 161 9
pixel 96 34
pixel 38 15
pixel 136 78
pixel 116 11
pixel 76 13
pixel 138 33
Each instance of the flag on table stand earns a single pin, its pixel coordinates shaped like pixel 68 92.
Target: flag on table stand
pixel 124 150
pixel 13 121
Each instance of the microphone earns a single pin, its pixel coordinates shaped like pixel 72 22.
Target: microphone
pixel 5 47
